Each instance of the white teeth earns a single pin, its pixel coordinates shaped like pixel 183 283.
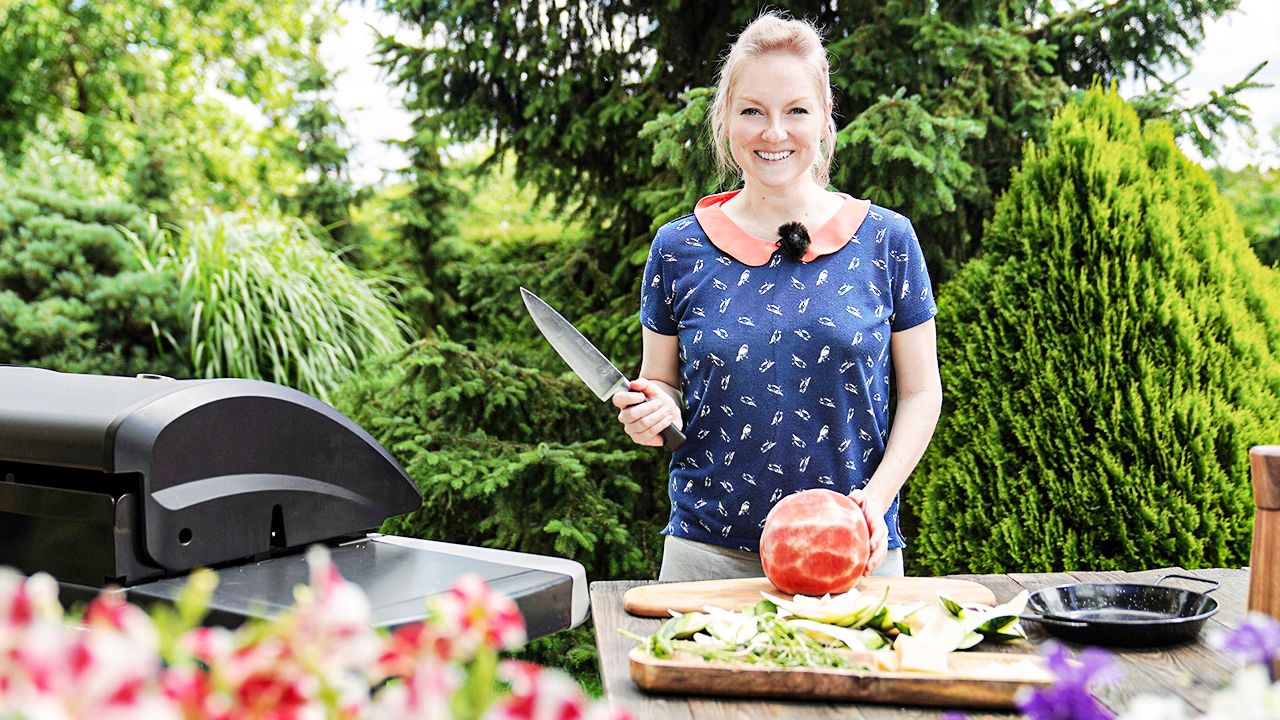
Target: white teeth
pixel 774 156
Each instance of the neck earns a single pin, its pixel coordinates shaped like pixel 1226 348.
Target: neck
pixel 774 206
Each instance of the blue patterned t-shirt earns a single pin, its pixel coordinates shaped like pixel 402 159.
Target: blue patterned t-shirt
pixel 785 367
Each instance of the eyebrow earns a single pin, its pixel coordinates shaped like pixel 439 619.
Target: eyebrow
pixel 801 100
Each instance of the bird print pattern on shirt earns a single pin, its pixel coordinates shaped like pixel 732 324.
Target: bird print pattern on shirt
pixel 785 368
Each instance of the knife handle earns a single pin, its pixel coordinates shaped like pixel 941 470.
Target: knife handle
pixel 672 438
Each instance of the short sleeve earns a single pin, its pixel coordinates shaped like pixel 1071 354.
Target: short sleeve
pixel 657 294
pixel 913 301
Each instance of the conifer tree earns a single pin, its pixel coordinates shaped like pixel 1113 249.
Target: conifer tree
pixel 933 100
pixel 73 293
pixel 1106 364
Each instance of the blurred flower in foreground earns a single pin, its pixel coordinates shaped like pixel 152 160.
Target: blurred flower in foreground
pixel 1069 697
pixel 1251 694
pixel 320 660
pixel 1256 641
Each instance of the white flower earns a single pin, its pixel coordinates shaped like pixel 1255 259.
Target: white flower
pixel 1250 696
pixel 1155 707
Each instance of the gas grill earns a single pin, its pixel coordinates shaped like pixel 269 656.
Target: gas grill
pixel 133 482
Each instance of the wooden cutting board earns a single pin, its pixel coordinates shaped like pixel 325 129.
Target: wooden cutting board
pixel 974 680
pixel 657 599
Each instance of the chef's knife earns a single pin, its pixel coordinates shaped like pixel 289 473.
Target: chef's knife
pixel 594 368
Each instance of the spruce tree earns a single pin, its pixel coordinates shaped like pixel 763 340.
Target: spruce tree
pixel 933 100
pixel 1106 364
pixel 73 293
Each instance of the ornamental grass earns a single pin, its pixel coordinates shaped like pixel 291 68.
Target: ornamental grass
pixel 267 300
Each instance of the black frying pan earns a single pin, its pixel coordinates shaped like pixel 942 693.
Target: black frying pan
pixel 1123 614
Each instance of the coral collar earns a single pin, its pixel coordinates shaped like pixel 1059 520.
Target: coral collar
pixel 751 250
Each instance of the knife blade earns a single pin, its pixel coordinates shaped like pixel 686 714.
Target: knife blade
pixel 583 358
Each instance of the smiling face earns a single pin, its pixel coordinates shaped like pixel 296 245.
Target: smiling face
pixel 776 119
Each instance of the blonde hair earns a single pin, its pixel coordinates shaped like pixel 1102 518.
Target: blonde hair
pixel 771 33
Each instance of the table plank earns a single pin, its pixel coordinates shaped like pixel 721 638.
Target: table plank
pixel 1232 596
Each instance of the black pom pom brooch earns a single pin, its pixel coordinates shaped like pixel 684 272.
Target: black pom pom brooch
pixel 793 238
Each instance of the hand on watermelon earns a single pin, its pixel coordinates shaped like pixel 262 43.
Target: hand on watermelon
pixel 874 511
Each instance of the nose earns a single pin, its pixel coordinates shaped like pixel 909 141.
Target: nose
pixel 774 131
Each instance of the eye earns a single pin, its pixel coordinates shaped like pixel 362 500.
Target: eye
pixel 799 111
pixel 750 111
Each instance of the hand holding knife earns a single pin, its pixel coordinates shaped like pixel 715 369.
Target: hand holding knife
pixel 584 359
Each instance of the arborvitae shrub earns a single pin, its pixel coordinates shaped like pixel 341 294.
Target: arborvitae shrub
pixel 1106 363
pixel 73 294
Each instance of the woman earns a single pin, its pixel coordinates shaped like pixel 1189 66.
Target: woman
pixel 777 316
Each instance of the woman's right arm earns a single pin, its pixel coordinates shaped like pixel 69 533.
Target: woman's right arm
pixel 654 399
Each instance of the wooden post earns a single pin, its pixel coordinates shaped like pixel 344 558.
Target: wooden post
pixel 1264 562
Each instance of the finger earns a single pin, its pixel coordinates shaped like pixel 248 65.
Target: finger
pixel 645 436
pixel 650 440
pixel 645 387
pixel 641 410
pixel 879 529
pixel 653 422
pixel 877 558
pixel 625 399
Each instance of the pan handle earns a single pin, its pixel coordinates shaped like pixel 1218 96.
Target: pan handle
pixel 1038 617
pixel 1193 578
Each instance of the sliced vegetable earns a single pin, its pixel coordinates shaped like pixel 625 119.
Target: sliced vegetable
pixel 848 630
pixel 828 634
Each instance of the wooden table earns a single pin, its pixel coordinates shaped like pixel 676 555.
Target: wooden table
pixel 1192 671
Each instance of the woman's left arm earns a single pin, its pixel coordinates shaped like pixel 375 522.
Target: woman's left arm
pixel 919 401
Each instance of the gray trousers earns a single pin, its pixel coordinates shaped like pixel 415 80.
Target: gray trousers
pixel 688 560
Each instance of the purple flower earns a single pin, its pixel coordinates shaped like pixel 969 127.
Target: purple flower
pixel 1069 698
pixel 953 715
pixel 1257 640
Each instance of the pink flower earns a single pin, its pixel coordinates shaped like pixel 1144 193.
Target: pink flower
pixel 319 661
pixel 209 645
pixel 332 622
pixel 192 691
pixel 25 601
pixel 482 617
pixel 424 693
pixel 538 694
pixel 268 695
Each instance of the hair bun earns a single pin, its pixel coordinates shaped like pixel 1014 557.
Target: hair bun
pixel 793 238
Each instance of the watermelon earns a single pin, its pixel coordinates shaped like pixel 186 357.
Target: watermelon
pixel 815 542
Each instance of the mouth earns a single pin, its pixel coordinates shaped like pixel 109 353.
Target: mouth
pixel 774 156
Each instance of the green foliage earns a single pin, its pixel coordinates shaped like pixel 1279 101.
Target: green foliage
pixel 267 300
pixel 73 295
pixel 1255 194
pixel 603 106
pixel 506 238
pixel 509 457
pixel 426 219
pixel 47 164
pixel 144 89
pixel 1205 123
pixel 1107 362
pixel 320 148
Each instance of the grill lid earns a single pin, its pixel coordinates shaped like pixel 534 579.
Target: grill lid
pixel 228 469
